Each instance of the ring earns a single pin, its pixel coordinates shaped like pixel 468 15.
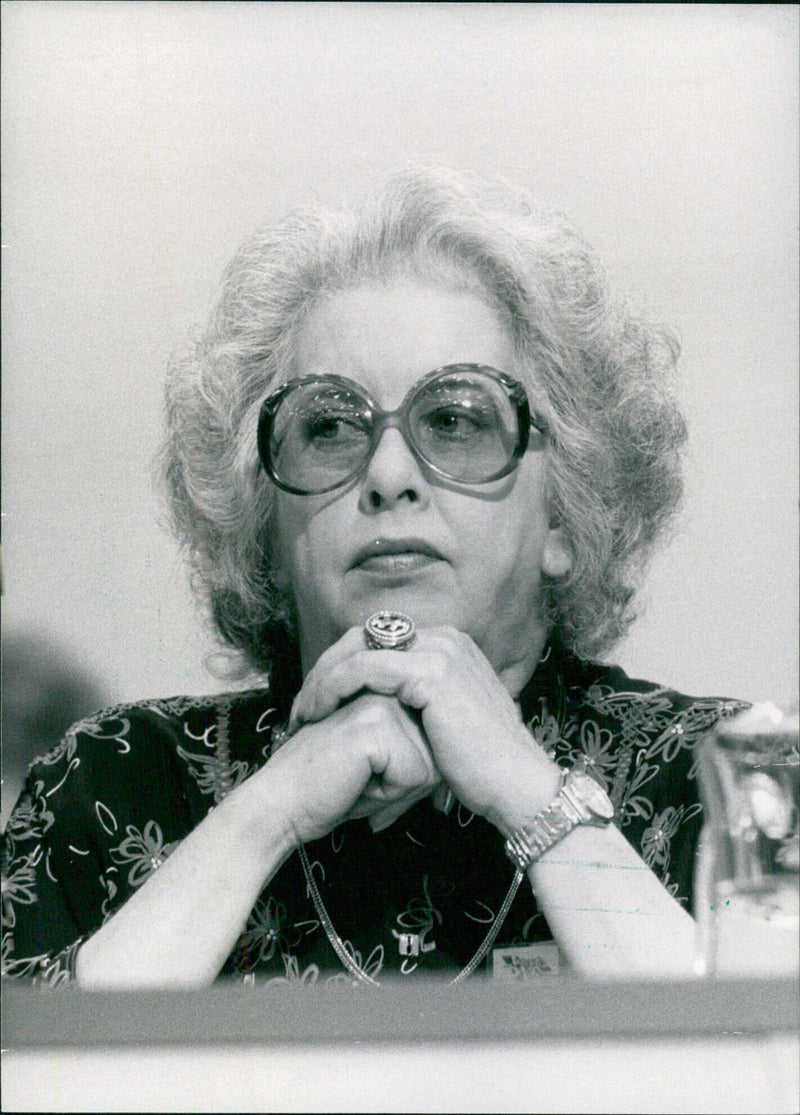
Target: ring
pixel 389 631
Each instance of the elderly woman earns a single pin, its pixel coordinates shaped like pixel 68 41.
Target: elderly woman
pixel 418 458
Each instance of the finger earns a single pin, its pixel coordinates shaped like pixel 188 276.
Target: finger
pixel 376 794
pixel 372 805
pixel 350 643
pixel 409 676
pixel 316 693
pixel 383 818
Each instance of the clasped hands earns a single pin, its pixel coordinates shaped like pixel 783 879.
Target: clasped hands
pixel 374 732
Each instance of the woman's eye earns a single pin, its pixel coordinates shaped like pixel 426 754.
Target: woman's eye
pixel 331 426
pixel 458 422
pixel 322 426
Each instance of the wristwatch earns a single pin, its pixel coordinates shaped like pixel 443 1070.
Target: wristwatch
pixel 580 801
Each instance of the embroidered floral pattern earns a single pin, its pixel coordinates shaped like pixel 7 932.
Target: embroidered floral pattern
pixel 658 835
pixel 263 935
pixel 598 753
pixel 143 851
pixel 27 817
pixel 373 966
pixel 202 768
pixel 307 977
pixel 19 883
pixel 546 730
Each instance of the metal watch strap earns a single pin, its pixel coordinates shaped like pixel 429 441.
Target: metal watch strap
pixel 542 832
pixel 566 812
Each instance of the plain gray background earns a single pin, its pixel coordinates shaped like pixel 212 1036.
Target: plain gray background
pixel 143 141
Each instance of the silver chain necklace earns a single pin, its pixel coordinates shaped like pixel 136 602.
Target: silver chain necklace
pixel 356 970
pixel 223 784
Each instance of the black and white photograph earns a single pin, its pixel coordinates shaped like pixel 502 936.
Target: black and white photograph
pixel 400 556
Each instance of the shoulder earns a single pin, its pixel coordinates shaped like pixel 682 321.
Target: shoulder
pixel 645 714
pixel 160 722
pixel 154 757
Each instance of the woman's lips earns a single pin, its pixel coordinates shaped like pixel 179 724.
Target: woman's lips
pixel 407 562
pixel 392 557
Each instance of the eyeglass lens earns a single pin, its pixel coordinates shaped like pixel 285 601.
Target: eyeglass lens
pixel 463 424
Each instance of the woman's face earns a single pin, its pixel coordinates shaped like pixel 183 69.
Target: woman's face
pixel 401 538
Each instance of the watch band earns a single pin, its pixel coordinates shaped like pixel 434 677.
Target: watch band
pixel 569 809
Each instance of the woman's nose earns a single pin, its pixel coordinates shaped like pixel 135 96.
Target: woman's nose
pixel 393 474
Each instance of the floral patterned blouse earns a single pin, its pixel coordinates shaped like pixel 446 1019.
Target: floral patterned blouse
pixel 104 809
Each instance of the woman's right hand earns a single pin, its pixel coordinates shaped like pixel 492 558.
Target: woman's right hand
pixel 369 758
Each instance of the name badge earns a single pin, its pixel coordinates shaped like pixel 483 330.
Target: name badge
pixel 525 962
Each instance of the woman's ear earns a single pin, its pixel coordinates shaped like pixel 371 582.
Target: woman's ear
pixel 557 551
pixel 556 554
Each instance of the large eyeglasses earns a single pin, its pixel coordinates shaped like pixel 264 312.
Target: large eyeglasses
pixel 465 422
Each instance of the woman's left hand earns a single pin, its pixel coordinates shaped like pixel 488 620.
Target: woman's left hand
pixel 479 743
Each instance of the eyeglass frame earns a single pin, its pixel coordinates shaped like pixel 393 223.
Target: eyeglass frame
pixel 398 419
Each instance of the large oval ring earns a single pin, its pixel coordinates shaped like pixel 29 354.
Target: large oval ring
pixel 389 631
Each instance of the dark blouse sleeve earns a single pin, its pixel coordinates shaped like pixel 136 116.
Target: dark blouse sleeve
pixel 668 830
pixel 40 936
pixel 639 740
pixel 98 815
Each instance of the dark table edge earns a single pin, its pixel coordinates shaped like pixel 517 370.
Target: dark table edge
pixel 428 1011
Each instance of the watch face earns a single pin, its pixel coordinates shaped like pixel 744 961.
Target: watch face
pixel 592 795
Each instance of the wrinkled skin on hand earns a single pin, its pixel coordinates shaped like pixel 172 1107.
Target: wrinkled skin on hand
pixel 472 727
pixel 367 758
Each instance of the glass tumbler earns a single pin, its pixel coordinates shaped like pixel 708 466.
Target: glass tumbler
pixel 747 886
